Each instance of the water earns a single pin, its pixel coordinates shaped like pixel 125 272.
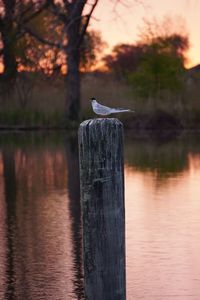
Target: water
pixel 40 240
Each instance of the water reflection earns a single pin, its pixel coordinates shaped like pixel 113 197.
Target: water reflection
pixel 42 229
pixel 165 158
pixel 40 218
pixel 9 176
pixel 3 232
pixel 162 218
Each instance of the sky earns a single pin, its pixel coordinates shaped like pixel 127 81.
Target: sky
pixel 121 23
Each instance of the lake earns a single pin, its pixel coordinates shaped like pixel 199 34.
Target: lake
pixel 40 217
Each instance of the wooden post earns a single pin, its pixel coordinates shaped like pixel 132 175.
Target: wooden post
pixel 102 200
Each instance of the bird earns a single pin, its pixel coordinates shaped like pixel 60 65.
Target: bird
pixel 103 110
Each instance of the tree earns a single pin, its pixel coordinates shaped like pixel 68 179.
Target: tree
pixel 41 48
pixel 14 14
pixel 33 54
pixel 53 58
pixel 161 66
pixel 74 17
pixel 124 59
pixel 156 62
pixel 75 22
pixel 160 70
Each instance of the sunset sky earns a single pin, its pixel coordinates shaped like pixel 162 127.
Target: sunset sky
pixel 122 25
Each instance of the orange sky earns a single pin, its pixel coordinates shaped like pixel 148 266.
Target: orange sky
pixel 123 25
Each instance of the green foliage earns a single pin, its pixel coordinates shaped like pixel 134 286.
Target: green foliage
pixel 154 66
pixel 160 70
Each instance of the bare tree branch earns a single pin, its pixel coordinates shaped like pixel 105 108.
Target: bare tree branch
pixel 56 11
pixel 25 11
pixel 37 12
pixel 84 28
pixel 40 39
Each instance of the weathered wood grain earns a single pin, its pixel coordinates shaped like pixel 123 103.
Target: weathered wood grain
pixel 102 199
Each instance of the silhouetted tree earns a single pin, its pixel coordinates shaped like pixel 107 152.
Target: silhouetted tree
pixel 73 17
pixel 14 15
pixel 124 59
pixel 155 63
pixel 75 22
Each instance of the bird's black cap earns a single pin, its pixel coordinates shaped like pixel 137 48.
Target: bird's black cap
pixel 93 98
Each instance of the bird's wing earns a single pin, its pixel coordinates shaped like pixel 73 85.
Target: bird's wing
pixel 101 109
pixel 103 106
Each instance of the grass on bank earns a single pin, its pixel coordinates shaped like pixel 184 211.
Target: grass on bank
pixel 45 104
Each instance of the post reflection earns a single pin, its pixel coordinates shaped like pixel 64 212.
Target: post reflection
pixel 75 213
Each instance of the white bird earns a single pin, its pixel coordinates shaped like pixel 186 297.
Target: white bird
pixel 102 110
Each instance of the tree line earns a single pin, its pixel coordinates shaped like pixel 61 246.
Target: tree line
pixel 49 35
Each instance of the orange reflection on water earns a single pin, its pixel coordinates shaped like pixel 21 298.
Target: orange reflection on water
pixel 162 234
pixel 194 162
pixel 42 169
pixel 37 252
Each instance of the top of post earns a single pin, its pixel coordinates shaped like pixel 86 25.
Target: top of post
pixel 101 122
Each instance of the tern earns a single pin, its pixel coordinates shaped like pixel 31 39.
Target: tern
pixel 103 110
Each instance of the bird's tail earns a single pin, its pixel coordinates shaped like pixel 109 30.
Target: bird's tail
pixel 116 110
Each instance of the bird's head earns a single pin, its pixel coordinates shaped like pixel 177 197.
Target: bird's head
pixel 93 99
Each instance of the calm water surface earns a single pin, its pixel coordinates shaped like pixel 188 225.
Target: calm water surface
pixel 40 231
